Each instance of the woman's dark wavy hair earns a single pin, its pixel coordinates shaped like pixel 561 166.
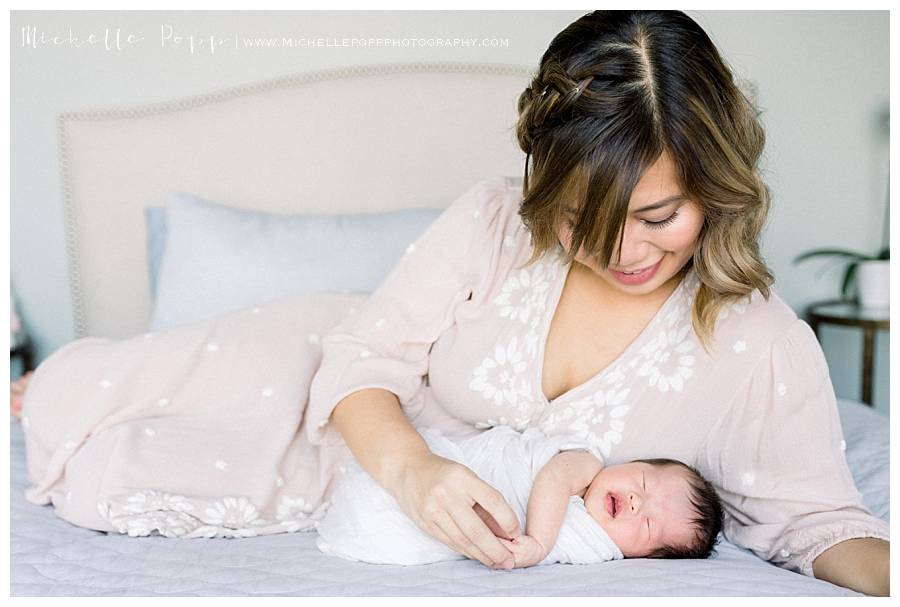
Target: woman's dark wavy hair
pixel 614 91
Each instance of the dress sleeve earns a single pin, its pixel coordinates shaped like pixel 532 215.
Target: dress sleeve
pixel 778 457
pixel 385 342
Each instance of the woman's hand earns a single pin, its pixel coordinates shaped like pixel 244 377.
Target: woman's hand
pixel 440 496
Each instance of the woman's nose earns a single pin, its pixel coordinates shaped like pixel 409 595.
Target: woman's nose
pixel 634 250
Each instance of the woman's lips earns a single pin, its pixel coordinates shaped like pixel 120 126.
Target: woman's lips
pixel 635 279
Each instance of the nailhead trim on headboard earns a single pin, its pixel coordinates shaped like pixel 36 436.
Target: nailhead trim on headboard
pixel 184 103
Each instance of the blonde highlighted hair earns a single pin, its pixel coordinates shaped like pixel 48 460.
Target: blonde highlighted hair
pixel 614 91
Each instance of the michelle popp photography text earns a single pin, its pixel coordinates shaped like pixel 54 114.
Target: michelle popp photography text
pixel 169 37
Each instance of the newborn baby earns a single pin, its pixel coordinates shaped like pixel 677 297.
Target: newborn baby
pixel 573 508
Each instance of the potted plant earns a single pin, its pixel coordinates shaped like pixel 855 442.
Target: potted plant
pixel 870 272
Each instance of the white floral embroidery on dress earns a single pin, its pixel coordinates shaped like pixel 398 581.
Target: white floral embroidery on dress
pixel 297 514
pixel 234 514
pixel 739 306
pixel 667 362
pixel 597 419
pixel 500 379
pixel 525 292
pixel 531 338
pixel 143 501
pixel 143 512
pixel 167 524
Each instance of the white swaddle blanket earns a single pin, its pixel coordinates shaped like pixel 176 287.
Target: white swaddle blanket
pixel 364 523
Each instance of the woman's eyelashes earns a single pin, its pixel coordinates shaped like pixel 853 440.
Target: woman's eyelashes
pixel 569 220
pixel 658 225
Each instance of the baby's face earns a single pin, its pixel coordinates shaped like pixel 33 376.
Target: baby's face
pixel 641 506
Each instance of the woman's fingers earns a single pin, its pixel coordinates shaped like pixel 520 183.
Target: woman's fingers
pixel 453 537
pixel 505 522
pixel 477 536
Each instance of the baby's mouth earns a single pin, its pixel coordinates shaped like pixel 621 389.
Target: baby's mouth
pixel 612 505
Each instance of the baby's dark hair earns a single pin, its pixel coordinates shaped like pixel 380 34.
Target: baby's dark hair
pixel 707 519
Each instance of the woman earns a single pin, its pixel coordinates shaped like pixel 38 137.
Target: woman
pixel 619 296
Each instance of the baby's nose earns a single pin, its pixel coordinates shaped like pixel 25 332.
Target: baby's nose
pixel 634 503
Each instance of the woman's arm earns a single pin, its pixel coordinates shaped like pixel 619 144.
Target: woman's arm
pixel 438 494
pixel 862 564
pixel 779 459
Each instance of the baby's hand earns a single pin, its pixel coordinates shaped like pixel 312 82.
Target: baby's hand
pixel 526 550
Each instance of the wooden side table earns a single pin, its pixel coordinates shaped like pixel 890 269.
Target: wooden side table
pixel 849 314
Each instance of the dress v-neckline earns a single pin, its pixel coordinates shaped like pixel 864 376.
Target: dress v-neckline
pixel 548 321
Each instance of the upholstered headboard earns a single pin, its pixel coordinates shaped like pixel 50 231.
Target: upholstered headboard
pixel 362 139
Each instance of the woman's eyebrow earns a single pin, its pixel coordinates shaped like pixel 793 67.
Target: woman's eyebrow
pixel 661 203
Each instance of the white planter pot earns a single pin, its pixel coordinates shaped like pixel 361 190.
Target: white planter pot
pixel 873 280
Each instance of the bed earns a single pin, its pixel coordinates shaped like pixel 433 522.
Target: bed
pixel 389 145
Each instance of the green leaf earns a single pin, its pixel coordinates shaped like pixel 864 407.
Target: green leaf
pixel 829 252
pixel 848 280
pixel 884 253
pixel 830 265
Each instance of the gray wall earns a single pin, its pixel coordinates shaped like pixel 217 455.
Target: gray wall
pixel 822 79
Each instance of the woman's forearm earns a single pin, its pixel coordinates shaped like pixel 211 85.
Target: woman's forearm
pixel 378 433
pixel 861 564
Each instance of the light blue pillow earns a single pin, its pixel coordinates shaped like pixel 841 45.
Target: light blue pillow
pixel 155 220
pixel 213 259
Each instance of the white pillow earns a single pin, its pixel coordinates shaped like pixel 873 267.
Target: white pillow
pixel 219 259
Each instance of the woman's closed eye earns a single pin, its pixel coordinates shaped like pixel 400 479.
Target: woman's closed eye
pixel 658 225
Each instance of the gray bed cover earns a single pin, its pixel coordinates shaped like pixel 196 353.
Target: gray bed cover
pixel 50 557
